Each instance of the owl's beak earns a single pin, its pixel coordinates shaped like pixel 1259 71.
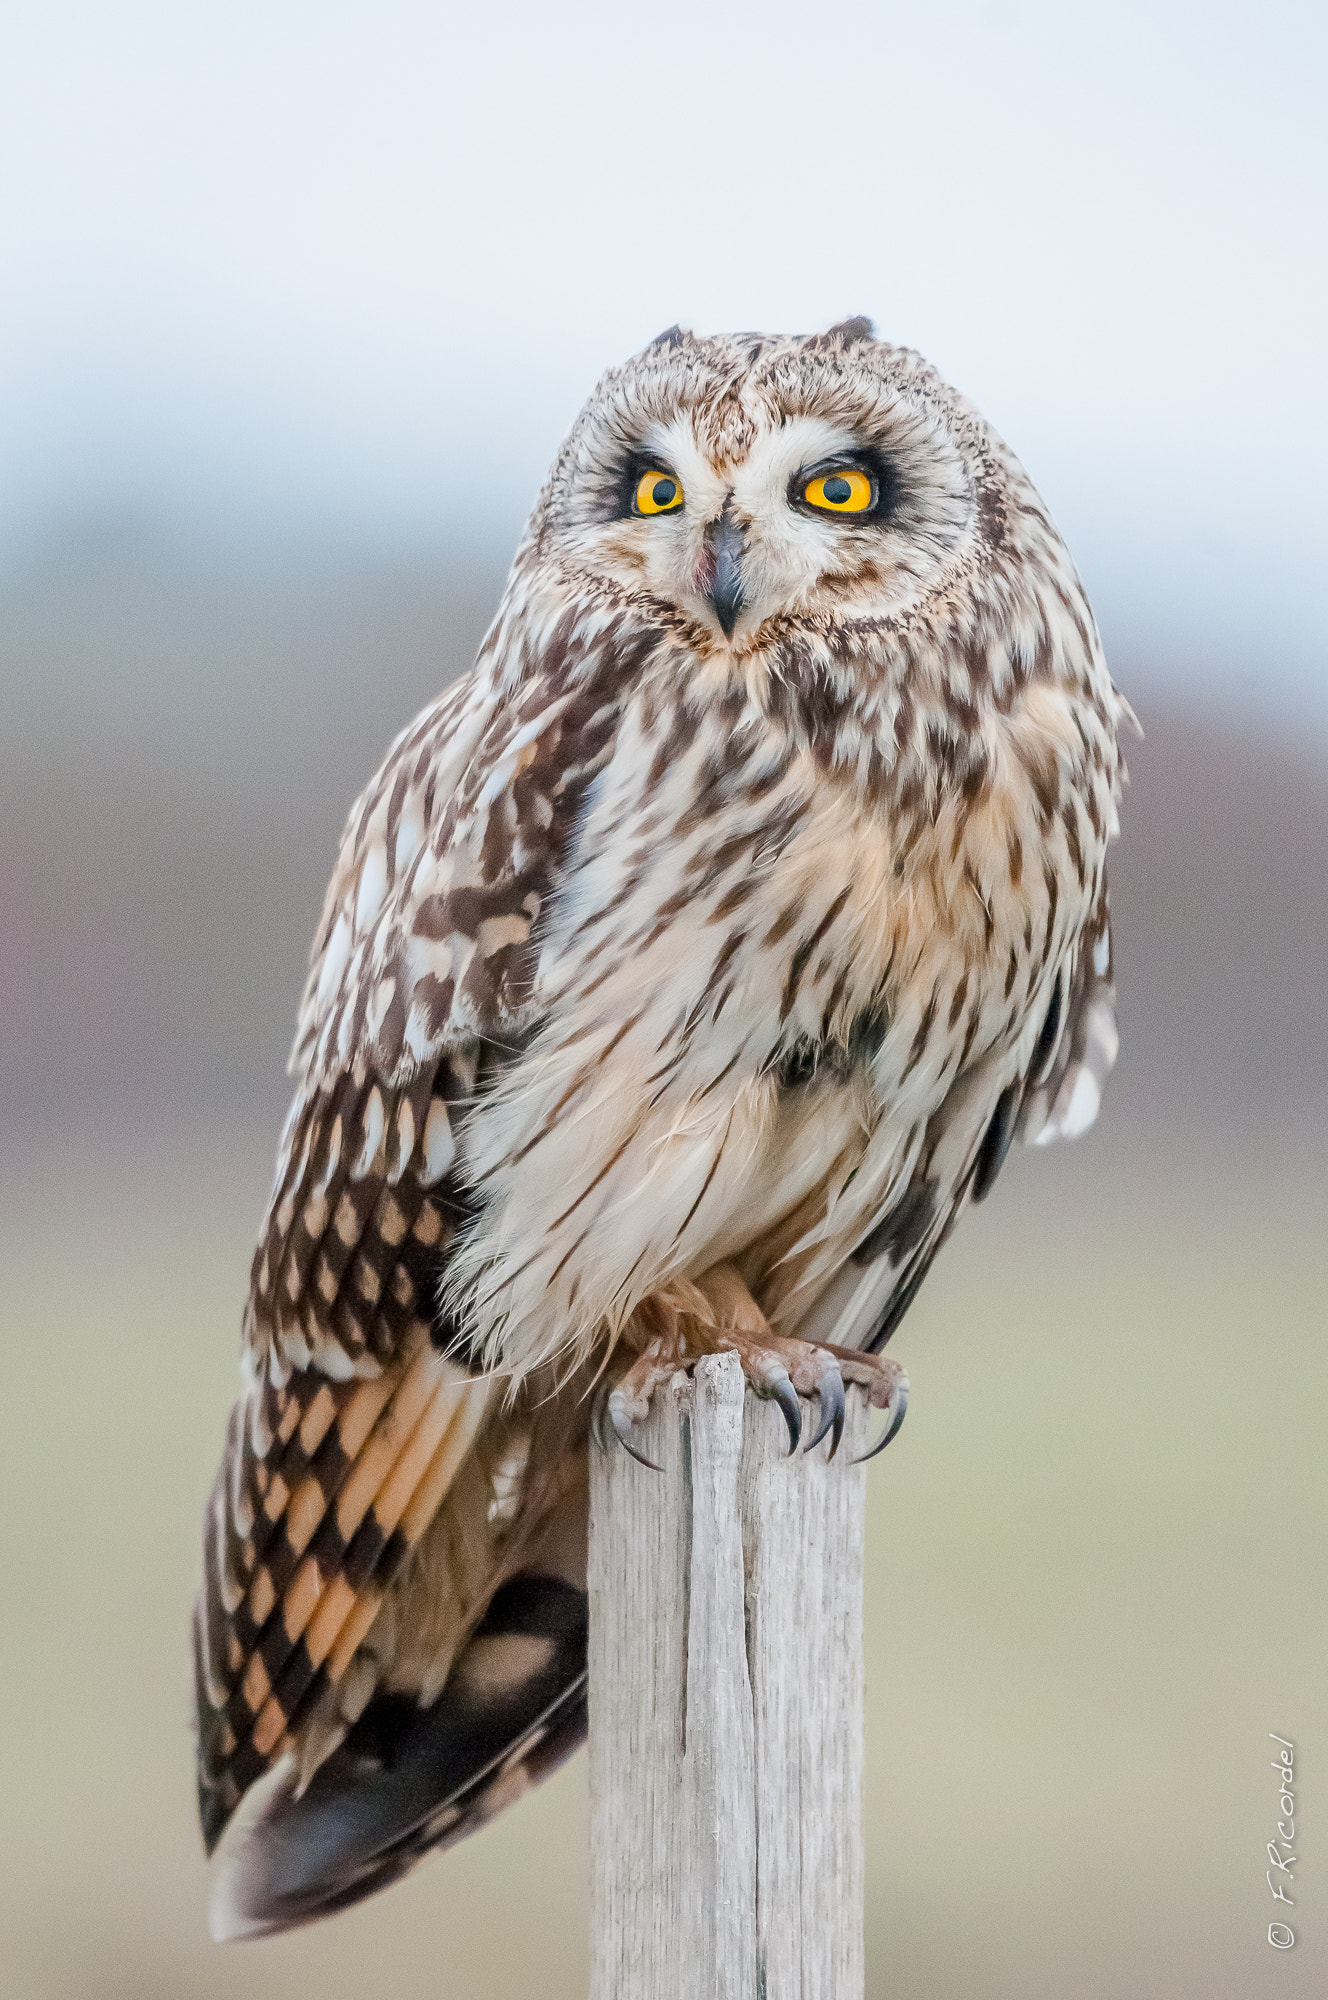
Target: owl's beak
pixel 726 546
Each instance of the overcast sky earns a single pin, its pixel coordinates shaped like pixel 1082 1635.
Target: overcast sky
pixel 357 265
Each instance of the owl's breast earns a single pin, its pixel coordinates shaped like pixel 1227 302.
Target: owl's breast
pixel 758 985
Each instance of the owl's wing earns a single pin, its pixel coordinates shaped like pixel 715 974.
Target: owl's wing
pixel 1057 1098
pixel 967 1141
pixel 326 1578
pixel 1076 1052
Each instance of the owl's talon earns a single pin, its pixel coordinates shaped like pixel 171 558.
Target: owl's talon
pixel 830 1391
pixel 897 1407
pixel 597 1432
pixel 779 1368
pixel 624 1424
pixel 784 1393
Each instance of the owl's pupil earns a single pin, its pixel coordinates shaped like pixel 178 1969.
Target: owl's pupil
pixel 662 492
pixel 837 491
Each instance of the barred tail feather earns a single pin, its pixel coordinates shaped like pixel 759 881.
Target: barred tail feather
pixel 407 1779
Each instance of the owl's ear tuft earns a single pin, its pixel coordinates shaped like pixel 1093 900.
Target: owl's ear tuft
pixel 845 332
pixel 672 336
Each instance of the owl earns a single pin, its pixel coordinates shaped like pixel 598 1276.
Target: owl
pixel 685 970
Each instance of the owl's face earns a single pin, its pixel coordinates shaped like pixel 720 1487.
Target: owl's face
pixel 739 487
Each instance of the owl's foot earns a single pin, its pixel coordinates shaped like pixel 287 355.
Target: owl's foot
pixel 886 1384
pixel 722 1317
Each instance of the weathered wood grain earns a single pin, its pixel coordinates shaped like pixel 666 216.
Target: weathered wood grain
pixel 726 1706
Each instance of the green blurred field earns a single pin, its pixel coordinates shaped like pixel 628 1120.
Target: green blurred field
pixel 1095 1582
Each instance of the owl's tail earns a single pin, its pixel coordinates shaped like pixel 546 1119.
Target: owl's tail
pixel 408 1778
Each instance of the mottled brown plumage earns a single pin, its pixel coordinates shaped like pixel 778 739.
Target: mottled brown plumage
pixel 688 965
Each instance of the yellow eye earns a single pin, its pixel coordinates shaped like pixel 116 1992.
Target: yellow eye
pixel 847 492
pixel 657 493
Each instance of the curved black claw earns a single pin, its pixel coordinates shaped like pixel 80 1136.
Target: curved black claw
pixel 831 1395
pixel 597 1430
pixel 623 1427
pixel 898 1410
pixel 786 1396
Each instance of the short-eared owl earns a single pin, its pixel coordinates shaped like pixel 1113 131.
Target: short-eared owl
pixel 685 969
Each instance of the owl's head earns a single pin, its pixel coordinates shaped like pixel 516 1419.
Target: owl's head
pixel 740 488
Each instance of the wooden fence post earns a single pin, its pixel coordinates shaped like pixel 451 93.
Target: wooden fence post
pixel 726 1706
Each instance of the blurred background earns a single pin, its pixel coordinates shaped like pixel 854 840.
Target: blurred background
pixel 296 305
